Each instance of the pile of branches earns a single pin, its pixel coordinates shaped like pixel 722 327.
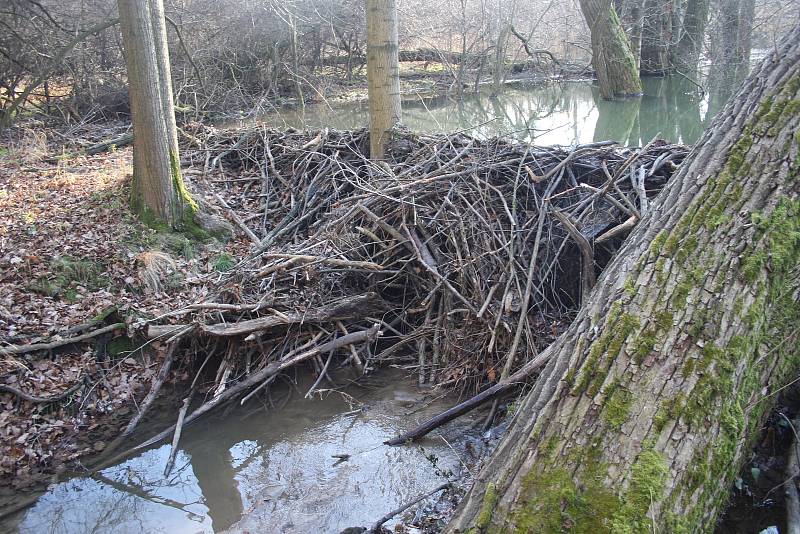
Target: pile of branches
pixel 459 257
pixel 456 257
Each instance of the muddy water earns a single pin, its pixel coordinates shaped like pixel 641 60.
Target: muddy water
pixel 555 113
pixel 271 470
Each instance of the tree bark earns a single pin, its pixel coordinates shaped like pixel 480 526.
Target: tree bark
pixel 686 53
pixel 645 411
pixel 613 61
pixel 383 75
pixel 158 193
pixel 656 35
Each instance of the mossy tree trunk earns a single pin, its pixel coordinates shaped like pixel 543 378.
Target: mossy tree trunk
pixel 641 419
pixel 383 74
pixel 614 63
pixel 158 193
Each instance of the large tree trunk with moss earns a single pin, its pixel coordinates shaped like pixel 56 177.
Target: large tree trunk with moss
pixel 614 63
pixel 642 417
pixel 158 193
pixel 685 54
pixel 383 74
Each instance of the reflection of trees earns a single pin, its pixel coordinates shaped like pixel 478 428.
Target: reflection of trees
pixel 615 119
pixel 213 467
pixel 94 508
pixel 669 109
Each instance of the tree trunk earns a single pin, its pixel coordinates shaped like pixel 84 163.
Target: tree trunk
pixel 383 75
pixel 298 86
pixel 158 193
pixel 686 53
pixel 643 415
pixel 612 59
pixel 730 63
pixel 656 33
pixel 747 13
pixel 634 15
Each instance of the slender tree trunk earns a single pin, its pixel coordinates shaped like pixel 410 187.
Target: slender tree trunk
pixel 499 69
pixel 158 193
pixel 686 53
pixel 634 15
pixel 298 86
pixel 747 12
pixel 383 74
pixel 643 416
pixel 614 63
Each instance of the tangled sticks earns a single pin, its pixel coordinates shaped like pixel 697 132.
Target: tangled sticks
pixel 470 255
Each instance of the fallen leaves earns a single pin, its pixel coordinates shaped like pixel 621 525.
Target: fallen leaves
pixel 68 251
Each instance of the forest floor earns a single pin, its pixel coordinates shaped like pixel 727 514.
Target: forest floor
pixel 71 250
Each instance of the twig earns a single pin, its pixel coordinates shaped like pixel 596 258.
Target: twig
pixel 376 528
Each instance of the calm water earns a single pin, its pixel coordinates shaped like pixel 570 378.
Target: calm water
pixel 556 113
pixel 260 470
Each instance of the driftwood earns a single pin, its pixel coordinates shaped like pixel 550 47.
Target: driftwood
pixel 792 476
pixel 460 409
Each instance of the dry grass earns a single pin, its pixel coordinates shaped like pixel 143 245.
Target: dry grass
pixel 154 268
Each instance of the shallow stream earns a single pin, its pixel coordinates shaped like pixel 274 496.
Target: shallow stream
pixel 264 469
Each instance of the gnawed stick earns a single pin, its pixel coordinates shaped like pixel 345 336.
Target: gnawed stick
pixel 252 380
pixel 181 415
pixel 460 409
pixel 177 436
pixel 792 472
pixel 238 220
pixel 589 277
pixel 23 349
pixel 377 526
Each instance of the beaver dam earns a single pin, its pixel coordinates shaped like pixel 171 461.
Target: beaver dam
pixel 457 259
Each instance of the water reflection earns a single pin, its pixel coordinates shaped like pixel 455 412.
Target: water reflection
pixel 556 113
pixel 262 471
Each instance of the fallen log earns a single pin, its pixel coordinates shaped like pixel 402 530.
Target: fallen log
pixel 460 409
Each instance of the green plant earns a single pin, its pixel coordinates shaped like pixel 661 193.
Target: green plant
pixel 223 263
